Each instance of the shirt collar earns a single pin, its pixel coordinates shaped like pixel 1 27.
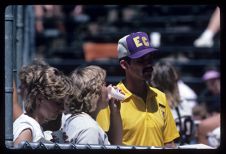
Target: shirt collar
pixel 128 94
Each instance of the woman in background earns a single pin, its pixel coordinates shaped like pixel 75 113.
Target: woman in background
pixel 165 78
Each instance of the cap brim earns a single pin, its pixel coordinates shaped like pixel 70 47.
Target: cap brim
pixel 141 53
pixel 211 75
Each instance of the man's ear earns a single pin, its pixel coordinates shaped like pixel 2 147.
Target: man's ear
pixel 124 64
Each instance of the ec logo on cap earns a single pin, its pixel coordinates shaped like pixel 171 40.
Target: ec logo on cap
pixel 138 43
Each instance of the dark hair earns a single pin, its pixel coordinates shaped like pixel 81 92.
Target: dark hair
pixel 127 59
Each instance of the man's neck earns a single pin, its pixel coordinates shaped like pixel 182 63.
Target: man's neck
pixel 138 87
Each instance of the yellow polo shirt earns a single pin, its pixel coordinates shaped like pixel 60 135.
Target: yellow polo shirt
pixel 144 124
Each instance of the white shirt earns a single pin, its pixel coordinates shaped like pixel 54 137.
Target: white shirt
pixel 185 112
pixel 186 93
pixel 25 122
pixel 83 129
pixel 184 109
pixel 214 137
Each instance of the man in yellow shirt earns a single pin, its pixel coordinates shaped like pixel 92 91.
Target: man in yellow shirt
pixel 146 116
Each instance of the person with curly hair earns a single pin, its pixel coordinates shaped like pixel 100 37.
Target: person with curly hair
pixel 44 92
pixel 88 99
pixel 25 75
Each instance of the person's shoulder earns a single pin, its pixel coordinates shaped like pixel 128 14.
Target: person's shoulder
pixel 82 120
pixel 25 121
pixel 25 118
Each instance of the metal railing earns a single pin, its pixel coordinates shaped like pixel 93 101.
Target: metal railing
pixel 19 50
pixel 9 23
pixel 66 146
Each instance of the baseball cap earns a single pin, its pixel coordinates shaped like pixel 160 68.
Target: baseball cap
pixel 134 45
pixel 211 74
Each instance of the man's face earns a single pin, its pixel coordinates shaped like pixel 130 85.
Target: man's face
pixel 213 85
pixel 141 68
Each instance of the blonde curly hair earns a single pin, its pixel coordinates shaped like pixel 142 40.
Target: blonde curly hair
pixel 47 82
pixel 87 82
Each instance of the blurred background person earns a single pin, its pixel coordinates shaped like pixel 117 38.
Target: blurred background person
pixel 165 78
pixel 210 96
pixel 210 100
pixel 53 13
pixel 185 91
pixel 209 131
pixel 49 22
pixel 206 38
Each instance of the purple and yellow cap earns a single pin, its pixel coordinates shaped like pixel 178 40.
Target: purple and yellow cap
pixel 134 45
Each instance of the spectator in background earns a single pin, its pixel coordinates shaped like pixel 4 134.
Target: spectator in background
pixel 214 137
pixel 44 12
pixel 210 99
pixel 74 18
pixel 186 93
pixel 97 16
pixel 206 38
pixel 129 13
pixel 47 88
pixel 165 78
pixel 208 130
pixel 199 112
pixel 210 96
pixel 146 116
pixel 88 99
pixel 48 19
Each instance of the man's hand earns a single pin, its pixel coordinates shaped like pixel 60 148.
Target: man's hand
pixel 170 145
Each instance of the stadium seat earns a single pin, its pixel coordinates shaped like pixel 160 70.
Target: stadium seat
pixel 98 51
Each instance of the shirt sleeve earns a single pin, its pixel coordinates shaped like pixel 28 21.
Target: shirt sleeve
pixel 170 132
pixel 18 127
